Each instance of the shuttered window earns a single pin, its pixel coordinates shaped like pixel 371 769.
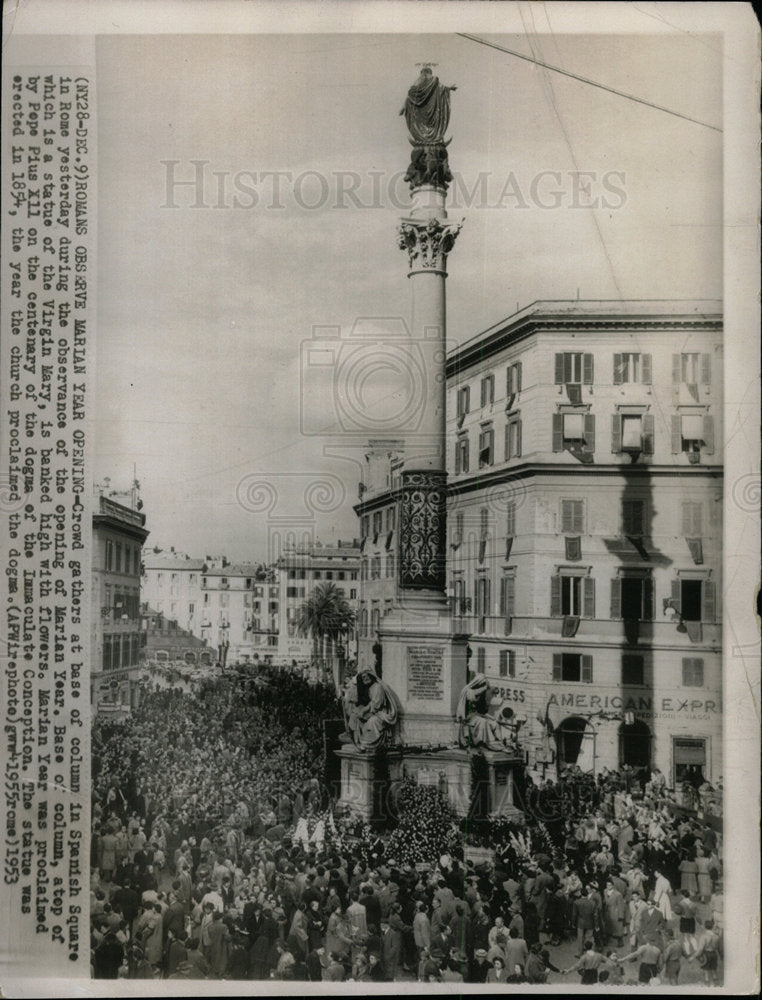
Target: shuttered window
pixel 691 369
pixel 513 439
pixel 573 517
pixel 633 518
pixel 572 596
pixel 573 431
pixel 507 601
pixel 482 602
pixel 507 663
pixel 510 518
pixel 488 390
pixel 632 368
pixel 573 368
pixel 693 671
pixel 483 522
pixel 457 536
pixel 513 380
pixel 632 432
pixel 464 394
pixel 691 519
pixel 632 598
pixel 486 447
pixel 691 432
pixel 694 600
pixel 461 454
pixel 573 667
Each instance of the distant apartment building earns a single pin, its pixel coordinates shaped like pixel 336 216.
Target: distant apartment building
pixel 379 541
pixel 119 534
pixel 298 571
pixel 172 587
pixel 239 613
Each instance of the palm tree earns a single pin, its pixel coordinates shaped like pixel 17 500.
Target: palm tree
pixel 325 616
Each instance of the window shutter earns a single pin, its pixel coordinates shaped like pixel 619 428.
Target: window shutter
pixel 457 457
pixel 555 597
pixel 503 662
pixel 709 435
pixel 559 375
pixel 518 439
pixel 616 598
pixel 676 369
pixel 587 369
pixel 645 369
pixel 617 369
pixel 648 600
pixel 508 546
pixel 587 668
pixel 557 666
pixel 616 434
pixel 706 369
pixel 590 432
pixel 687 530
pixel 648 434
pixel 558 430
pixel 502 594
pixel 708 601
pixel 518 376
pixel 677 435
pixel 589 597
pixel 510 596
pixel 676 595
pixel 511 662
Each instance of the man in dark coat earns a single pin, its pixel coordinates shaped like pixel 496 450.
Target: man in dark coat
pixel 584 913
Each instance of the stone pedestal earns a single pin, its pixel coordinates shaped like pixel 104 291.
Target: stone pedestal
pixel 501 770
pixel 453 771
pixel 426 664
pixel 366 780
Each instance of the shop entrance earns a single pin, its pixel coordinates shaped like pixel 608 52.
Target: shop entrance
pixel 635 744
pixel 575 744
pixel 689 756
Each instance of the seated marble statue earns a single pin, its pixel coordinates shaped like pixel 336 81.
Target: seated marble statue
pixel 478 728
pixel 371 709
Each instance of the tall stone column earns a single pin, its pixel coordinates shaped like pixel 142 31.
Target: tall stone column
pixel 422 659
pixel 427 236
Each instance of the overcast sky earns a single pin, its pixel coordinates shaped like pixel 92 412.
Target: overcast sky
pixel 203 310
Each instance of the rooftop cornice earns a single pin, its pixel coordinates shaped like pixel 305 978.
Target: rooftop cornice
pixel 513 330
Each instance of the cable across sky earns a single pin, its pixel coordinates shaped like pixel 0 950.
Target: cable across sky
pixel 584 79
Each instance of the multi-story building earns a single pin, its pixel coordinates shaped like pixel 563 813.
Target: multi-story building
pixel 584 528
pixel 298 571
pixel 239 612
pixel 115 641
pixel 378 511
pixel 172 587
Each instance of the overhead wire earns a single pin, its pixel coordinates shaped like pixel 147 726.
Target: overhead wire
pixel 584 79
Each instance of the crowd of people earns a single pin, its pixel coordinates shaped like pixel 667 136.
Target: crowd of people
pixel 215 853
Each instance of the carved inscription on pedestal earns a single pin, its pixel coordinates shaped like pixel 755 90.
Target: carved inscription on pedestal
pixel 425 673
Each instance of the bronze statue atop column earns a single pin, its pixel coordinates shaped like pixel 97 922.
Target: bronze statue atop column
pixel 427 113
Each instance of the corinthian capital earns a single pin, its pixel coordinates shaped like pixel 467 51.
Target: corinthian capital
pixel 427 242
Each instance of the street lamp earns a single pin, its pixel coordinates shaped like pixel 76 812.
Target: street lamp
pixel 222 652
